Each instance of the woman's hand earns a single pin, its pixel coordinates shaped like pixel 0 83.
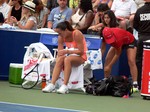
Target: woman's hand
pixel 13 20
pixel 107 70
pixel 62 52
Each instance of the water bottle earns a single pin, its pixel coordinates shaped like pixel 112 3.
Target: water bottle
pixel 43 81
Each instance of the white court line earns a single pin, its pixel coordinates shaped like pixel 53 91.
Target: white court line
pixel 42 107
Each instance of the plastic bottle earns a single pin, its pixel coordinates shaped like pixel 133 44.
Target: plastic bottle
pixel 43 82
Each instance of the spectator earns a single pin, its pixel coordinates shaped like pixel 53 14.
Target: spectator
pixel 97 22
pixel 4 8
pixel 124 11
pixel 59 14
pixel 1 18
pixel 16 10
pixel 110 19
pixel 28 20
pixel 41 14
pixel 119 39
pixel 83 16
pixel 142 25
pixel 73 39
pixel 98 2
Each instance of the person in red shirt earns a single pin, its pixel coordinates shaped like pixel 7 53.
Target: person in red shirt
pixel 118 40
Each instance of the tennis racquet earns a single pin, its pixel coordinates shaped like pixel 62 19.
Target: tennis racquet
pixel 31 79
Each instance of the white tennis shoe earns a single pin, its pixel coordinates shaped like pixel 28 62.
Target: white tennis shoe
pixel 49 88
pixel 63 89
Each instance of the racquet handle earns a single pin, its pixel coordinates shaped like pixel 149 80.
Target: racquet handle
pixel 40 58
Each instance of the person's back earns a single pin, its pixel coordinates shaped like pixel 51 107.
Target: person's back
pixel 123 37
pixel 142 25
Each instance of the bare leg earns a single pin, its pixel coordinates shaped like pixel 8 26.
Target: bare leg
pixel 57 69
pixel 68 63
pixel 131 54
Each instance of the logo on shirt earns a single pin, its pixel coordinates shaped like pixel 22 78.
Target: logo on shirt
pixel 144 17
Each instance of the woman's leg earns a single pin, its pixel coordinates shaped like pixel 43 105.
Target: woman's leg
pixel 70 61
pixel 131 54
pixel 108 59
pixel 57 68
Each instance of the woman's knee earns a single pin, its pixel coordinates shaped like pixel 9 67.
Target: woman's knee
pixel 60 60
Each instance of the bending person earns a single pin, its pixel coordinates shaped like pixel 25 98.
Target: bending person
pixel 119 39
pixel 66 58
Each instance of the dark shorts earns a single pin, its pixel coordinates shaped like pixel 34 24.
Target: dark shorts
pixel 131 45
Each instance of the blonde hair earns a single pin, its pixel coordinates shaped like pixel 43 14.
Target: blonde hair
pixel 26 16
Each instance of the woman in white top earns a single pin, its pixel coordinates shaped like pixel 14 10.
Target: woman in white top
pixel 41 14
pixel 83 16
pixel 28 20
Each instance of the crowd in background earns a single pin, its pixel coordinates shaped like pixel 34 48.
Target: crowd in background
pixel 84 15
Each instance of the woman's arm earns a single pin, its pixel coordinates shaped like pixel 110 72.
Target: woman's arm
pixel 78 37
pixel 116 56
pixel 61 50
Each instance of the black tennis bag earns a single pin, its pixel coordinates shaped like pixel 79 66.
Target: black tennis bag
pixel 100 87
pixel 114 85
pixel 120 86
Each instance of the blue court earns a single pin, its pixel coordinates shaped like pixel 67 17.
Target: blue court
pixel 13 107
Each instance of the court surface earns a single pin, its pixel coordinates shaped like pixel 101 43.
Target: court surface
pixel 13 107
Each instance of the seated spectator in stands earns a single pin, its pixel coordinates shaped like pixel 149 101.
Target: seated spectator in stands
pixel 124 11
pixel 1 18
pixel 4 8
pixel 15 11
pixel 41 14
pixel 119 39
pixel 83 16
pixel 97 22
pixel 72 39
pixel 98 2
pixel 28 20
pixel 110 19
pixel 59 14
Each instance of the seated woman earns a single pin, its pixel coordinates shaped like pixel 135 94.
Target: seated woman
pixel 41 14
pixel 97 22
pixel 119 39
pixel 109 19
pixel 28 20
pixel 15 10
pixel 83 16
pixel 67 58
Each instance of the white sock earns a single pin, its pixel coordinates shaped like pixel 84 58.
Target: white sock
pixel 135 82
